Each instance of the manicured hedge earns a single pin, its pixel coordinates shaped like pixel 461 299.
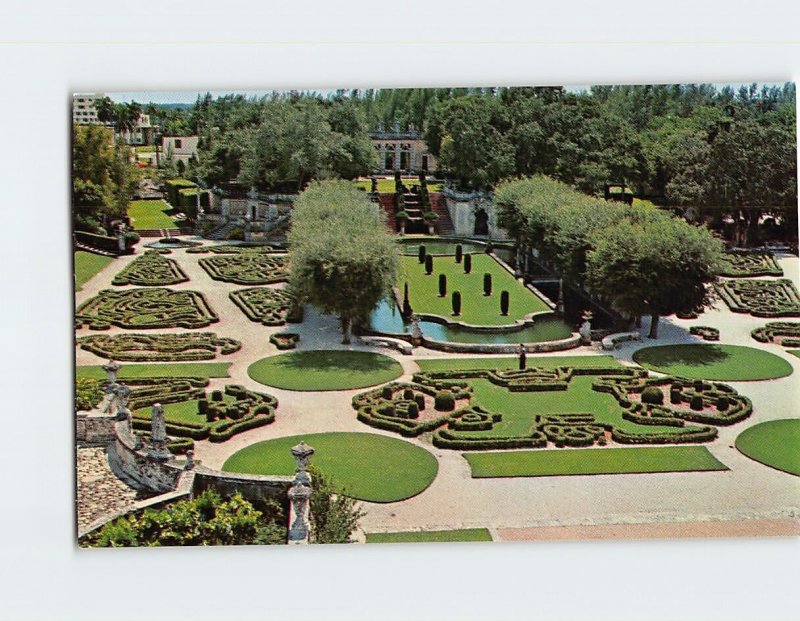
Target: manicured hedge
pixel 264 305
pixel 743 264
pixel 284 340
pixel 761 298
pixel 151 269
pixel 230 249
pixel 706 333
pixel 247 268
pixel 145 309
pixel 159 347
pixel 787 333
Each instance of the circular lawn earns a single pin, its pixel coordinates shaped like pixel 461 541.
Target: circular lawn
pixel 774 444
pixel 325 370
pixel 365 466
pixel 713 362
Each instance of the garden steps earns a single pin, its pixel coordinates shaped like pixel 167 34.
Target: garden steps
pixel 444 225
pixel 87 248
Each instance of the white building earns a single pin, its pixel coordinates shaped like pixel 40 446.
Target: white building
pixel 83 110
pixel 179 148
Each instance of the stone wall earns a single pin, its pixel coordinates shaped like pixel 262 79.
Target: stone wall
pixel 464 208
pixel 94 427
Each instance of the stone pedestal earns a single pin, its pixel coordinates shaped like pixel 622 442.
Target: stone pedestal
pixel 299 496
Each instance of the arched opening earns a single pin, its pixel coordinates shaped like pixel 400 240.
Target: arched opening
pixel 481 222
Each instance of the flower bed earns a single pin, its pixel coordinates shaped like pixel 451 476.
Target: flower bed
pixel 251 268
pixel 159 347
pixel 151 269
pixel 145 309
pixel 761 298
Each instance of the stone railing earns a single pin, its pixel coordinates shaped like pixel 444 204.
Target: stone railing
pixel 457 195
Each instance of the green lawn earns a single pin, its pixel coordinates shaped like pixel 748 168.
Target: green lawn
pixel 365 466
pixel 183 412
pixel 547 362
pixel 387 185
pixel 427 536
pixel 476 308
pixel 713 362
pixel 592 461
pixel 87 264
pixel 151 214
pixel 775 443
pixel 169 369
pixel 325 370
pixel 794 352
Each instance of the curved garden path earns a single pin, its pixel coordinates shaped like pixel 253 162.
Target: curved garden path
pixel 455 500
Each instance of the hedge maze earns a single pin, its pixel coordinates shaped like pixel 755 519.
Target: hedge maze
pixel 192 414
pixel 151 269
pixel 786 333
pixel 159 347
pixel 270 307
pixel 145 309
pixel 659 416
pixel 748 264
pixel 761 298
pixel 251 268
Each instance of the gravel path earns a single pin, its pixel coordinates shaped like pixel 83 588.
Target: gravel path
pixel 100 492
pixel 455 500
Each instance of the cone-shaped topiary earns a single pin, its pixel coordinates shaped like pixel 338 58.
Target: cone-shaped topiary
pixel 459 253
pixel 442 285
pixel 696 403
pixel 429 264
pixel 487 284
pixel 413 410
pixel 422 253
pixel 444 401
pixel 420 400
pixel 467 263
pixel 456 302
pixel 504 302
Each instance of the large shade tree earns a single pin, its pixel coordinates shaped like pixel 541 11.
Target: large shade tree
pixel 343 258
pixel 653 263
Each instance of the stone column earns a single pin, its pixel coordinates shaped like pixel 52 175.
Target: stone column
pixel 299 496
pixel 560 303
pixel 158 434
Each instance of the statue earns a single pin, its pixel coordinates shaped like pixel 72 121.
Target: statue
pixel 299 495
pixel 158 434
pixel 122 394
pixel 586 328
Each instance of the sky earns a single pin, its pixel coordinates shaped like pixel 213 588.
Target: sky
pixel 189 96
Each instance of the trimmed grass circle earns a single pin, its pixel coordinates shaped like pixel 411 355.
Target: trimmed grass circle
pixel 713 362
pixel 773 444
pixel 325 370
pixel 365 466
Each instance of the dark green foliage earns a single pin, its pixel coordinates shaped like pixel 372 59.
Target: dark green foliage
pixel 408 394
pixel 216 395
pixel 420 401
pixel 749 264
pixel 150 270
pixel 723 403
pixel 159 347
pixel 675 396
pixel 442 285
pixel 696 402
pixel 145 308
pixel 652 395
pixel 504 302
pixel 202 406
pixel 459 253
pixel 334 516
pixel 413 410
pixel 428 264
pixel 456 303
pixel 444 401
pixel 422 254
pixel 407 310
pixel 705 332
pixel 284 340
pixel 487 284
pixel 386 391
pixel 205 520
pixel 467 263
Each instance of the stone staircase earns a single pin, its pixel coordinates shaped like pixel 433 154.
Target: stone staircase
pixel 221 231
pixel 444 225
pixel 87 248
